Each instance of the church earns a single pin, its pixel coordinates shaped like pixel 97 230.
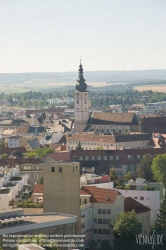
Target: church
pixel 98 122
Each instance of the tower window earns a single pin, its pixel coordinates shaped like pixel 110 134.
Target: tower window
pixel 77 101
pixel 85 108
pixel 85 101
pixel 76 168
pixel 60 169
pixel 52 169
pixel 77 108
pixel 73 169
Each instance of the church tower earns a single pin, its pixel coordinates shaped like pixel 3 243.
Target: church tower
pixel 81 103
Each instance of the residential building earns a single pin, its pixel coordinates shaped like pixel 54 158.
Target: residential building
pixel 151 108
pixel 154 124
pixel 122 160
pixel 62 188
pixel 15 141
pixel 91 141
pixel 13 185
pixel 150 199
pixel 34 172
pixel 142 212
pixel 87 179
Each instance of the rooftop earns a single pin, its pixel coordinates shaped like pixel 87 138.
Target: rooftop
pixel 131 204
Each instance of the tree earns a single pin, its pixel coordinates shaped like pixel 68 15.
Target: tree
pixel 92 244
pixel 79 146
pixel 160 223
pixel 40 180
pixel 127 225
pixel 113 175
pixel 128 176
pixel 144 168
pixel 159 168
pixel 99 148
pixel 105 245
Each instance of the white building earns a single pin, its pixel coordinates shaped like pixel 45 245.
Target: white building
pixel 150 199
pixel 151 108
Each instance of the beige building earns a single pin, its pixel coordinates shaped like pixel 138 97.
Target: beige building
pixel 91 141
pixel 34 172
pixel 61 191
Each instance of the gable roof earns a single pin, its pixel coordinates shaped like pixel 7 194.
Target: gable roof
pixel 114 118
pixel 154 124
pixel 38 189
pixel 131 204
pixel 109 138
pixel 100 194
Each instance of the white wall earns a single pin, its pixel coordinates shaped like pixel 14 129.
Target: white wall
pixel 151 200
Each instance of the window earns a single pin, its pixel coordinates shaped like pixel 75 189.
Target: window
pixel 104 211
pixel 25 167
pixel 36 167
pixel 76 168
pixel 135 198
pixel 98 158
pixel 95 231
pixel 92 158
pixel 105 158
pixel 117 157
pixel 108 211
pixel 77 108
pixel 95 220
pixel 147 198
pixel 120 130
pixel 99 211
pixel 141 198
pixel 87 158
pixel 83 225
pixel 35 176
pixel 111 158
pixel 85 101
pixel 77 101
pixel 80 158
pixel 108 130
pixel 97 130
pixel 83 215
pixel 73 169
pixel 52 169
pixel 60 169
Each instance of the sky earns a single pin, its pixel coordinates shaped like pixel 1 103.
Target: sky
pixel 52 35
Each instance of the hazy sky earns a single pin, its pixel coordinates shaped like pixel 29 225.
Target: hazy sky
pixel 51 35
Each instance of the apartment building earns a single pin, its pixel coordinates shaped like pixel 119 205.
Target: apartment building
pixel 13 185
pixel 34 172
pixel 93 141
pixel 122 160
pixel 150 199
pixel 151 108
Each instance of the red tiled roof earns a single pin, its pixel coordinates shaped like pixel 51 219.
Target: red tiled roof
pixel 38 188
pixel 100 194
pixel 131 204
pixel 9 150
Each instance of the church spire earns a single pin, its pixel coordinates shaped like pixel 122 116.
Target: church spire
pixel 81 86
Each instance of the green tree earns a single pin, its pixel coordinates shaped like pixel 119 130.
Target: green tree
pixel 79 146
pixel 127 225
pixel 99 148
pixel 145 169
pixel 40 180
pixel 113 175
pixel 3 156
pixel 128 176
pixel 92 244
pixel 160 223
pixel 105 245
pixel 159 168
